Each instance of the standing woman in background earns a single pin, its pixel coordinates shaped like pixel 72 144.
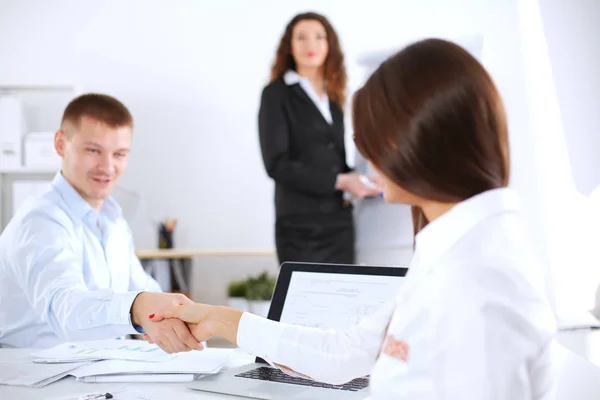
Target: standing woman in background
pixel 301 126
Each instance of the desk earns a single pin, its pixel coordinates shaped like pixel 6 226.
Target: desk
pixel 584 342
pixel 154 254
pixel 578 379
pixel 69 386
pixel 179 261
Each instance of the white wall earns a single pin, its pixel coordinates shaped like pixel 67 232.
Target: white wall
pixel 543 141
pixel 573 229
pixel 572 29
pixel 191 72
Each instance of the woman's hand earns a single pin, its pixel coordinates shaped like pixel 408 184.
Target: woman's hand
pixel 204 321
pixel 356 186
pixel 190 313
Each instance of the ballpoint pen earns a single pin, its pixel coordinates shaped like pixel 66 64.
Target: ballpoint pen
pixel 95 396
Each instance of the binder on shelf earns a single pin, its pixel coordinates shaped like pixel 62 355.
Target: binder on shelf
pixel 39 150
pixel 12 123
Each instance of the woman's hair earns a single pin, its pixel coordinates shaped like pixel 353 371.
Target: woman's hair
pixel 334 71
pixel 431 120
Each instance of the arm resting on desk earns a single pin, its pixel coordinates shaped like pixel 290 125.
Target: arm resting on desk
pixel 48 268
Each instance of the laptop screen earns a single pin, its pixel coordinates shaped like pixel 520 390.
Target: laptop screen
pixel 335 300
pixel 331 296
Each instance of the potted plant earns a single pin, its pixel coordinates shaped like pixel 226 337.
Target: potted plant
pixel 259 291
pixel 236 292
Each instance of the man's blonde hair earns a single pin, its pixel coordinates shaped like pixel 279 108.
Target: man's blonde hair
pixel 99 107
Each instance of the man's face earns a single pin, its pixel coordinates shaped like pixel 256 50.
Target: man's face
pixel 94 156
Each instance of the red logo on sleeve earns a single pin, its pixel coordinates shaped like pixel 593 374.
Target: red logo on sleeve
pixel 396 348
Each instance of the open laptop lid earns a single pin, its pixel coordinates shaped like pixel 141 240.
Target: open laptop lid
pixel 331 296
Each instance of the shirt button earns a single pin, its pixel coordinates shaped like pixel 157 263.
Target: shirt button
pixel 90 321
pixel 335 169
pixel 330 146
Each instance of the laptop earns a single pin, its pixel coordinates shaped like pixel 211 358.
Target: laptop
pixel 328 296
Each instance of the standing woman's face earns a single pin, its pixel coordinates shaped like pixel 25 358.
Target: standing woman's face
pixel 309 44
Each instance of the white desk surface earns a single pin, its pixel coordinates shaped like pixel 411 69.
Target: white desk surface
pixel 153 254
pixel 578 378
pixel 69 386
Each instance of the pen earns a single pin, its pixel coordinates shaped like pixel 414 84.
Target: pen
pixel 96 396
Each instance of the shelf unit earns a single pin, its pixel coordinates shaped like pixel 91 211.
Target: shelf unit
pixel 8 176
pixel 27 170
pixel 43 105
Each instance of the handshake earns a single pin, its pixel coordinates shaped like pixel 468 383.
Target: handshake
pixel 175 323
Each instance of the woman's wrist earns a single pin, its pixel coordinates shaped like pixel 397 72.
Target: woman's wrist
pixel 225 322
pixel 340 182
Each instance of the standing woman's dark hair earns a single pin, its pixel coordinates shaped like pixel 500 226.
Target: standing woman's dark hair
pixel 334 70
pixel 431 120
pixel 301 129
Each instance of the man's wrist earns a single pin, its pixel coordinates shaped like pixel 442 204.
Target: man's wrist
pixel 137 310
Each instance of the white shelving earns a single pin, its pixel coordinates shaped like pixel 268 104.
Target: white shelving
pixel 37 86
pixel 43 105
pixel 28 171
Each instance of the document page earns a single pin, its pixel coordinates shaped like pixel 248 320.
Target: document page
pixel 207 361
pixel 111 349
pixel 336 301
pixel 24 372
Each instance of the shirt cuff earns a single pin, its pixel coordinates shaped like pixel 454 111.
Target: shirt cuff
pixel 259 336
pixel 120 309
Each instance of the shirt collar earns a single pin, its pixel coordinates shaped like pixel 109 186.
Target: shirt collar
pixel 112 209
pixel 78 205
pixel 440 235
pixel 291 77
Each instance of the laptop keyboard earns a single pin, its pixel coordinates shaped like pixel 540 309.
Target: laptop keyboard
pixel 275 375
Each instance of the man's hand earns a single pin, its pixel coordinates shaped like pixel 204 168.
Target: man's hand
pixel 171 335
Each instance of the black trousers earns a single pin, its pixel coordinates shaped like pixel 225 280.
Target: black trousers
pixel 316 238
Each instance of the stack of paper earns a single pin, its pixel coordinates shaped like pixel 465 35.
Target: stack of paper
pixel 118 361
pixel 24 372
pixel 184 367
pixel 113 349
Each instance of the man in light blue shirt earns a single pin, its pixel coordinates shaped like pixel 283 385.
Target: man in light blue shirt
pixel 67 262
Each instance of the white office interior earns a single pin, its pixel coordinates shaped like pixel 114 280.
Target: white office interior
pixel 191 72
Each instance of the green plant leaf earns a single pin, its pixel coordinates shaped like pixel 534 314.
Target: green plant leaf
pixel 237 289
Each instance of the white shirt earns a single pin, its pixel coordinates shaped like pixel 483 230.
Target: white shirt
pixel 471 320
pixel 322 102
pixel 68 272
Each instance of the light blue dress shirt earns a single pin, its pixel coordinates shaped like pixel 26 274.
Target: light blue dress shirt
pixel 67 271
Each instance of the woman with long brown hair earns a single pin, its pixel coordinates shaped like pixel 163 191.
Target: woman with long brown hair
pixel 301 127
pixel 471 320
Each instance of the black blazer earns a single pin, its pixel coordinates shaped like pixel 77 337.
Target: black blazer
pixel 301 151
